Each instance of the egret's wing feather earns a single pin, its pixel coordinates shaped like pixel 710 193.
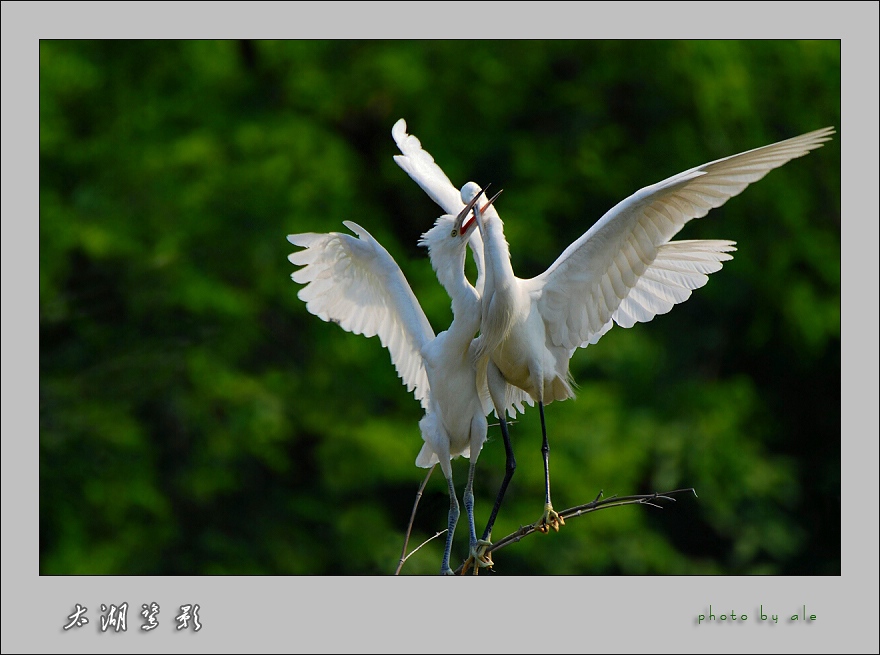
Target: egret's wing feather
pixel 420 166
pixel 355 283
pixel 679 268
pixel 515 399
pixel 626 270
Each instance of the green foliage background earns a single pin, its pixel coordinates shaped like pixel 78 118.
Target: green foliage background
pixel 196 419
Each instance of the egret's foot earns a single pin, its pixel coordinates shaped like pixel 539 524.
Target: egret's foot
pixel 479 558
pixel 481 553
pixel 550 519
pixel 447 571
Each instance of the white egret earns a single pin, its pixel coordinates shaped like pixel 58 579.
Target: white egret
pixel 355 283
pixel 623 270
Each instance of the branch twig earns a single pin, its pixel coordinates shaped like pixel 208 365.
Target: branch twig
pixel 416 549
pixel 412 518
pixel 593 506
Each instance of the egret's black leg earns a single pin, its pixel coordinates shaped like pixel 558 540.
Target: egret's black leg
pixel 545 451
pixel 550 519
pixel 510 467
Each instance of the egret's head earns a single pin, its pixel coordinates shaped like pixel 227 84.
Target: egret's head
pixel 469 193
pixel 451 233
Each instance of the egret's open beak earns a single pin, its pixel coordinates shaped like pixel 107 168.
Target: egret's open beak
pixel 460 226
pixel 477 208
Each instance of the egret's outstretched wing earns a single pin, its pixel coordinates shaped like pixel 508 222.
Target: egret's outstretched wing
pixel 420 166
pixel 626 269
pixel 355 283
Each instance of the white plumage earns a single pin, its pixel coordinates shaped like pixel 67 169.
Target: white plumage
pixel 355 283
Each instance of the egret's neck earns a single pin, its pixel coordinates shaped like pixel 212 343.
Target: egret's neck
pixel 500 294
pixel 449 267
pixel 477 250
pixel 448 263
pixel 497 252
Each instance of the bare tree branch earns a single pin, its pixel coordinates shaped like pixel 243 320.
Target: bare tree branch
pixel 412 518
pixel 580 510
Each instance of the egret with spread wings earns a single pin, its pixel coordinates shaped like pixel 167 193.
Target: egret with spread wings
pixel 625 269
pixel 355 283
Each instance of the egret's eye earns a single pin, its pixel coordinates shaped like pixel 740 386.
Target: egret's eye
pixel 455 233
